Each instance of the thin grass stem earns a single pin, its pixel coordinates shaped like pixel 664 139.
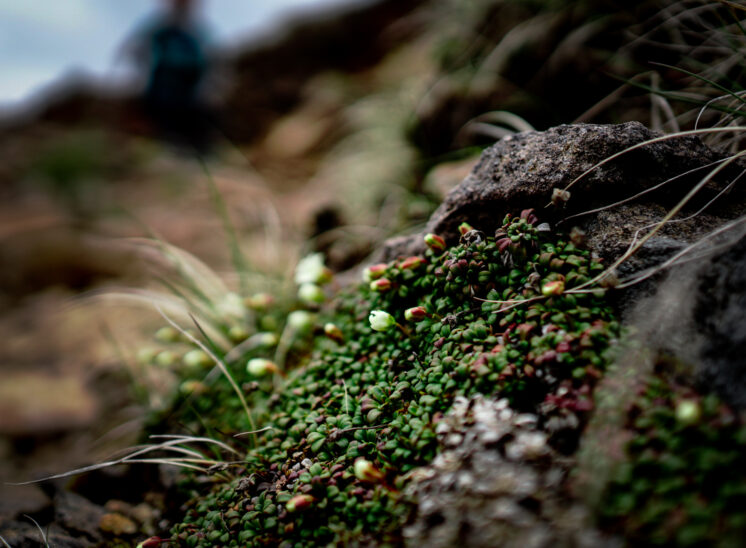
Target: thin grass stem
pixel 649 142
pixel 711 101
pixel 218 362
pixel 640 194
pixel 637 245
pixel 240 434
pixel 135 456
pixel 239 259
pixel 513 303
pixel 674 260
pixel 41 531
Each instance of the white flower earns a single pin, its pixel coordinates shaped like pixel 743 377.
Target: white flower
pixel 310 294
pixel 196 359
pixel 367 471
pixel 260 367
pixel 300 320
pixel 381 320
pixel 311 269
pixel 231 305
pixel 167 334
pixel 688 412
pixel 264 339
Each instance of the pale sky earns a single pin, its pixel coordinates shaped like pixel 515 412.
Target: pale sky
pixel 42 39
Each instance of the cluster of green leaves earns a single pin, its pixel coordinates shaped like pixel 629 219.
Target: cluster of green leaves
pixel 350 427
pixel 684 480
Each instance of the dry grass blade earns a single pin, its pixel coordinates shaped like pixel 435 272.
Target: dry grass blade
pixel 239 259
pixel 272 228
pixel 724 191
pixel 171 462
pixel 675 259
pixel 255 341
pixel 126 429
pixel 484 124
pixel 175 305
pixel 251 432
pixel 713 101
pixel 195 439
pixel 523 34
pixel 660 107
pixel 134 457
pixel 640 194
pixel 637 245
pixel 186 462
pixel 484 130
pixel 195 273
pixel 217 360
pixel 41 531
pixel 138 450
pixel 733 5
pixel 704 79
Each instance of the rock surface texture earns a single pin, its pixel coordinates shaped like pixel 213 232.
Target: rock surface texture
pixel 496 483
pixel 523 170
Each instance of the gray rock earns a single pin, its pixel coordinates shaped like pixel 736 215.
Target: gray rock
pixel 719 313
pixel 475 494
pixel 16 500
pixel 478 495
pixel 24 533
pixel 696 316
pixel 78 515
pixel 522 171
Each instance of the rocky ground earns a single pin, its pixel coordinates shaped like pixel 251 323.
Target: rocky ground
pixel 346 157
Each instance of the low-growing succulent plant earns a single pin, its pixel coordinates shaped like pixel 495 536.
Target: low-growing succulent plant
pixel 352 425
pixel 683 479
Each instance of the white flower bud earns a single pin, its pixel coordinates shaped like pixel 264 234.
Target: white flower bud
pixel 367 471
pixel 311 269
pixel 260 367
pixel 310 294
pixel 688 412
pixel 300 320
pixel 381 320
pixel 231 305
pixel 196 359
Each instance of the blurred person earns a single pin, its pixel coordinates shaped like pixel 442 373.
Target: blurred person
pixel 173 53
